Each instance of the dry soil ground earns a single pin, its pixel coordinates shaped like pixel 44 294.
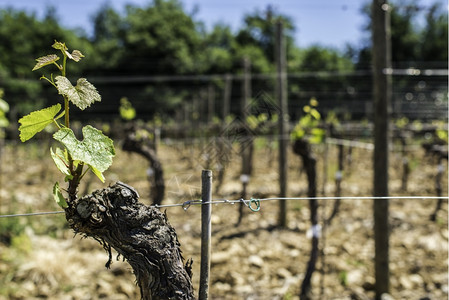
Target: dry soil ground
pixel 40 258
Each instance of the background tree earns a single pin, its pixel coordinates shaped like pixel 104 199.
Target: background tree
pixel 23 37
pixel 434 36
pixel 412 44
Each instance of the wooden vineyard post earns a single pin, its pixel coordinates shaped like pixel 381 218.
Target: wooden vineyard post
pixel 281 86
pixel 206 211
pixel 382 99
pixel 227 96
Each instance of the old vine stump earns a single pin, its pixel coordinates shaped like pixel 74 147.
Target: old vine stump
pixel 141 234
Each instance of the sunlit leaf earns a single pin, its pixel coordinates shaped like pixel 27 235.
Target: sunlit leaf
pixel 315 114
pixel 97 173
pixel 442 134
pixel 77 55
pixel 82 95
pixel 45 60
pixel 313 102
pixel 4 122
pixel 96 149
pixel 317 135
pixel 317 131
pixel 37 121
pixel 4 106
pixel 59 198
pixel 61 161
pixel 127 111
pixel 59 46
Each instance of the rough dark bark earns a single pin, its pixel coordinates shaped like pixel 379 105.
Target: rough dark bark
pixel 140 234
pixel 131 144
pixel 302 148
pixel 338 178
pixel 439 151
pixel 438 189
pixel 405 163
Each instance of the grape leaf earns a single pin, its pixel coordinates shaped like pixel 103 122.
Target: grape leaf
pixel 97 173
pixel 59 198
pixel 76 55
pixel 82 95
pixel 4 106
pixel 59 45
pixel 96 149
pixel 61 161
pixel 315 114
pixel 37 121
pixel 45 60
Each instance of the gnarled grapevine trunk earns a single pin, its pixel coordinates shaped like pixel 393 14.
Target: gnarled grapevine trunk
pixel 141 234
pixel 132 144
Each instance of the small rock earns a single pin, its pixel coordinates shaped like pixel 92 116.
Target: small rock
pixel 244 289
pixel 215 220
pixel 406 283
pixel 283 273
pixel 294 253
pixel 416 279
pixel 219 257
pixel 354 277
pixel 386 296
pixel 224 287
pixel 256 261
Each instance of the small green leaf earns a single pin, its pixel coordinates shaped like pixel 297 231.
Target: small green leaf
pixel 317 131
pixel 96 149
pixel 317 135
pixel 61 161
pixel 59 46
pixel 97 173
pixel 313 102
pixel 315 114
pixel 59 198
pixel 127 111
pixel 82 95
pixel 76 55
pixel 37 121
pixel 3 122
pixel 4 106
pixel 45 60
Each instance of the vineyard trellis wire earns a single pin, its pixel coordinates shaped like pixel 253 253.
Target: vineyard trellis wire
pixel 249 202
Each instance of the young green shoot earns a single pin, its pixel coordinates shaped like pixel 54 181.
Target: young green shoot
pixel 95 151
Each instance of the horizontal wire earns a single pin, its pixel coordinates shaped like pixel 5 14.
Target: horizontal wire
pixel 32 214
pixel 188 203
pixel 248 202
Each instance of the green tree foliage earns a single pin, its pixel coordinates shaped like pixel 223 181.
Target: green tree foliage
pixel 412 42
pixel 108 38
pixel 316 58
pixel 157 39
pixel 22 38
pixel 435 35
pixel 219 47
pixel 259 31
pixel 161 39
